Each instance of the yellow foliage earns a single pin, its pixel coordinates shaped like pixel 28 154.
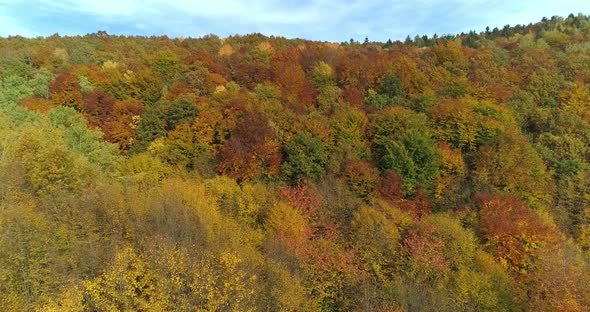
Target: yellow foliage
pixel 110 65
pixel 265 46
pixel 247 202
pixel 223 285
pixel 128 285
pixel 60 54
pixel 71 300
pixel 226 50
pixel 286 221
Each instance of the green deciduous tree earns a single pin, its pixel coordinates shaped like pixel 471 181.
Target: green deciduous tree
pixel 306 156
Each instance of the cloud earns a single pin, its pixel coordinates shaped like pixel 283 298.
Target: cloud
pixel 329 20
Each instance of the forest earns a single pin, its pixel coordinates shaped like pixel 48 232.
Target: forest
pixel 256 173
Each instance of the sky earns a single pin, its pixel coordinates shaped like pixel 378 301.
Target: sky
pixel 324 20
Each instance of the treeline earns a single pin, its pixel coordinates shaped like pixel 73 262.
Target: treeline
pixel 259 173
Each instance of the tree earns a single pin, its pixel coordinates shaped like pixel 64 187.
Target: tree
pixel 24 257
pixel 12 90
pixel 513 232
pixel 98 106
pixel 392 88
pixel 161 118
pixel 291 78
pixel 401 143
pixel 514 167
pixel 361 177
pixel 65 90
pixel 305 157
pixel 120 127
pixel 128 285
pixel 252 150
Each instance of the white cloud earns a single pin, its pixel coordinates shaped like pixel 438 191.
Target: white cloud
pixel 314 19
pixel 258 10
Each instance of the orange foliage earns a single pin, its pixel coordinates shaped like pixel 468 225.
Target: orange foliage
pixel 38 104
pixel 65 90
pixel 121 125
pixel 513 232
pixel 177 90
pixel 361 177
pixel 319 251
pixel 288 74
pixel 425 249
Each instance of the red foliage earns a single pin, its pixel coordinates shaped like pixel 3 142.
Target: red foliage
pixel 425 249
pixel 391 186
pixel 250 74
pixel 209 61
pixel 120 124
pixel 302 198
pixel 252 150
pixel 354 96
pixel 419 206
pixel 320 250
pixel 98 105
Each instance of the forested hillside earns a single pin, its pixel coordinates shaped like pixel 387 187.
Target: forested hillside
pixel 258 173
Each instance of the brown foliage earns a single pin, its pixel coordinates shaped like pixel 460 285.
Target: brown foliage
pixel 391 186
pixel 98 106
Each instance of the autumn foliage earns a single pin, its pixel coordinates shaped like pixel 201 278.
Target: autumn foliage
pixel 255 173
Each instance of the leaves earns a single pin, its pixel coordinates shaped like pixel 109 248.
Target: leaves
pixel 260 173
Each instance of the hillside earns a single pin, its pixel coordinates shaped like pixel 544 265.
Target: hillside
pixel 253 173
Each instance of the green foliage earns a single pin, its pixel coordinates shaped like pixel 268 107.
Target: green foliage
pixel 467 124
pixel 40 83
pixel 13 89
pixel 322 75
pixel 578 47
pixel 389 92
pixel 402 143
pixel 330 99
pixel 376 100
pixel 85 85
pixel 267 92
pixel 514 167
pixel 391 87
pixel 83 141
pixel 161 118
pixel 258 173
pixel 166 65
pixel 306 156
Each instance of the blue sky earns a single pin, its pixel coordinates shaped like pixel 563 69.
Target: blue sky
pixel 326 20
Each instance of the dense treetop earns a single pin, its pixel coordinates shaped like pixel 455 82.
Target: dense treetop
pixel 449 173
